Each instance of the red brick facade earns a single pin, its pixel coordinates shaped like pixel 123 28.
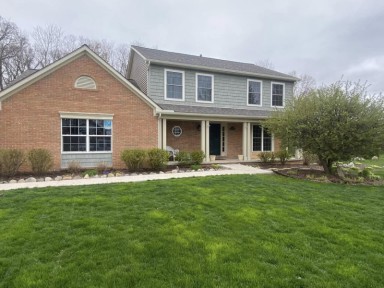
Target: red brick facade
pixel 30 118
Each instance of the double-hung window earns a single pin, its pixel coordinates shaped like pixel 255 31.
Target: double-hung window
pixel 278 91
pixel 86 135
pixel 204 88
pixel 262 139
pixel 174 85
pixel 254 92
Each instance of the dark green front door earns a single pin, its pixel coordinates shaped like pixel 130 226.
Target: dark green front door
pixel 214 139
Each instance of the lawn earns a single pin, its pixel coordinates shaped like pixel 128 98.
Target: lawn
pixel 377 164
pixel 224 231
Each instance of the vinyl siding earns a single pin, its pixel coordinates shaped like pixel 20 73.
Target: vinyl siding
pixel 87 160
pixel 139 72
pixel 230 91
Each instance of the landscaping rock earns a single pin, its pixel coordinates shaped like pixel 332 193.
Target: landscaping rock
pixel 67 177
pixel 152 173
pixel 118 174
pixel 161 172
pixel 12 181
pixel 86 176
pixel 77 177
pixel 40 179
pixel 21 181
pixel 111 175
pixel 30 179
pixel 103 176
pixel 58 178
pixel 375 158
pixel 133 174
pixel 96 176
pixel 48 179
pixel 174 171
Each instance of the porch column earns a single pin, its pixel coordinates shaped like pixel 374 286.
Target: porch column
pixel 164 135
pixel 247 140
pixel 249 147
pixel 159 133
pixel 206 141
pixel 202 135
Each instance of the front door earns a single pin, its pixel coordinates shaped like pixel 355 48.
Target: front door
pixel 214 139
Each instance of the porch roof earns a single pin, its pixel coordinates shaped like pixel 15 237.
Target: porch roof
pixel 213 111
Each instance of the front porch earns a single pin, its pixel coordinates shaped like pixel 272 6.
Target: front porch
pixel 222 141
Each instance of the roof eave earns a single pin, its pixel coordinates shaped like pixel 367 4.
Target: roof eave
pixel 220 70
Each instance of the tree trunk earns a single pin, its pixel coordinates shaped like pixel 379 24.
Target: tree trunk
pixel 327 165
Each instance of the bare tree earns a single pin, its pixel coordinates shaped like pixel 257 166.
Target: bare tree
pixel 306 84
pixel 15 52
pixel 266 63
pixel 49 44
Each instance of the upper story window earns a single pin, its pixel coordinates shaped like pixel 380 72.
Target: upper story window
pixel 174 85
pixel 86 135
pixel 204 88
pixel 85 82
pixel 254 92
pixel 278 94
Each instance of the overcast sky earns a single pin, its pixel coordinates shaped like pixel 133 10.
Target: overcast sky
pixel 326 39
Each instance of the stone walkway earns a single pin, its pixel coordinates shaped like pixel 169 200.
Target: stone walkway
pixel 230 169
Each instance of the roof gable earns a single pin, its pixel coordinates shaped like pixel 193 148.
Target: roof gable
pixel 83 50
pixel 210 64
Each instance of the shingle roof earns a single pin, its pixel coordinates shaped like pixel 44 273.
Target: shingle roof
pixel 214 111
pixel 179 59
pixel 22 76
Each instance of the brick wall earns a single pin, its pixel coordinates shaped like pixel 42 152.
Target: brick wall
pixel 189 140
pixel 31 119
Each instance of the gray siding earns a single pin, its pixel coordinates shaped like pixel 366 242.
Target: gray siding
pixel 230 91
pixel 139 72
pixel 86 160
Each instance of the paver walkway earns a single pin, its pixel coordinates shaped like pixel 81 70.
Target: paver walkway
pixel 231 169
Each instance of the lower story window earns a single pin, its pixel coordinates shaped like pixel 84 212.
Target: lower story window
pixel 262 139
pixel 86 135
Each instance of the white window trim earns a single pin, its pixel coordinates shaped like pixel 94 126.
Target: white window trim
pixel 262 139
pixel 280 83
pixel 165 84
pixel 261 93
pixel 86 116
pixel 197 87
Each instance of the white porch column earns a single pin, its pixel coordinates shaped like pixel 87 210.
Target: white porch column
pixel 245 140
pixel 249 146
pixel 202 135
pixel 159 133
pixel 164 134
pixel 206 141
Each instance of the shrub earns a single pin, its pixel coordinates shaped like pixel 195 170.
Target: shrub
pixel 197 157
pixel 133 158
pixel 283 156
pixel 157 158
pixel 74 167
pixel 309 158
pixel 195 167
pixel 90 173
pixel 41 160
pixel 266 157
pixel 184 158
pixel 101 168
pixel 11 160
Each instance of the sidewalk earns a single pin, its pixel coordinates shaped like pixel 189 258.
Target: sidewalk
pixel 230 169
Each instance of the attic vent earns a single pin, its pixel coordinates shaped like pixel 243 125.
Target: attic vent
pixel 85 82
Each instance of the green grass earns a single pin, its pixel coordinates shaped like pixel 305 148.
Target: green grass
pixel 228 231
pixel 378 164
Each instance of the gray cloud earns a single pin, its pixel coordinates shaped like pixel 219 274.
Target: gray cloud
pixel 326 39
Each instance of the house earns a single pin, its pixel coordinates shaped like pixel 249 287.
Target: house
pixel 81 109
pixel 214 105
